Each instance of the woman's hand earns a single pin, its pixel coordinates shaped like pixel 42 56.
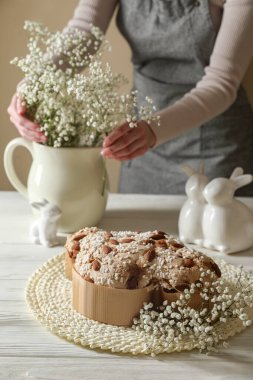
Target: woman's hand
pixel 126 143
pixel 26 127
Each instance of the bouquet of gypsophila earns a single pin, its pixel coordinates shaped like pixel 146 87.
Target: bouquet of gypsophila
pixel 226 305
pixel 74 108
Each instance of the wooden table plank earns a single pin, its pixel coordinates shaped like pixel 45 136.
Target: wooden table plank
pixel 179 367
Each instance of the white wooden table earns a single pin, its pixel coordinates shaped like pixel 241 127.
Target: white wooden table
pixel 29 351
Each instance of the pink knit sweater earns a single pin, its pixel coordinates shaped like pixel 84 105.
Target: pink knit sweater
pixel 216 91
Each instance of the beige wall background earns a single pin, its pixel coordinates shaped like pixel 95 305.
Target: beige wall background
pixel 55 14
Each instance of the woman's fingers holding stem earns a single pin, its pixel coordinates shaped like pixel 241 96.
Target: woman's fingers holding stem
pixel 127 143
pixel 124 140
pixel 21 108
pixel 116 134
pixel 26 127
pixel 16 106
pixel 129 149
pixel 29 133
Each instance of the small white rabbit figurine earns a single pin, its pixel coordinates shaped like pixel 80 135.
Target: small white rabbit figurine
pixel 44 229
pixel 227 222
pixel 190 217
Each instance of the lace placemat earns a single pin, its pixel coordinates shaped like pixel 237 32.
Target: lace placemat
pixel 48 294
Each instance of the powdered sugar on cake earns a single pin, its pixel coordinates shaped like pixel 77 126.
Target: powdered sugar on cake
pixel 131 260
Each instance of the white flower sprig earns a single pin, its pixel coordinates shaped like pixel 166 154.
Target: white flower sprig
pixel 74 108
pixel 171 323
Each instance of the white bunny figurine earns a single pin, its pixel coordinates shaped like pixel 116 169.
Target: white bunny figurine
pixel 227 222
pixel 44 229
pixel 191 213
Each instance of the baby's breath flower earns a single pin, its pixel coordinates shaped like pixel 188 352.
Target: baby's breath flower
pixel 74 108
pixel 222 302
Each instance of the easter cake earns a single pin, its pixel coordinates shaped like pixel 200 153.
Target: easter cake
pixel 114 272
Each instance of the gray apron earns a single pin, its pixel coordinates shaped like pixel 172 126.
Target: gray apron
pixel 171 42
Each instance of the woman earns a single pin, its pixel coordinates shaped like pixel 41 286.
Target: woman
pixel 189 56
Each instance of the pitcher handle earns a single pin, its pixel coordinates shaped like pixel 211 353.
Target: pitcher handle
pixel 9 166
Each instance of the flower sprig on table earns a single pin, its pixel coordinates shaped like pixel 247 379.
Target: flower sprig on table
pixel 74 108
pixel 173 322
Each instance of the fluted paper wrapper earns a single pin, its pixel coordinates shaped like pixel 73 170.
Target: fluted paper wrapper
pixel 108 305
pixel 117 306
pixel 69 262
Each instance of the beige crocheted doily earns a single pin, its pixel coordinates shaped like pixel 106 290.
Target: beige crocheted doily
pixel 48 294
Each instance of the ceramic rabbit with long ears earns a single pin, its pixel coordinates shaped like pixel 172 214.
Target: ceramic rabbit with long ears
pixel 191 214
pixel 44 229
pixel 227 222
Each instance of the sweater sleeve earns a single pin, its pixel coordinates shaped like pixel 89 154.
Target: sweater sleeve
pixel 95 12
pixel 217 90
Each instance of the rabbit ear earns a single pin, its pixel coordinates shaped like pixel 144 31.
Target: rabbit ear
pixel 201 167
pixel 237 172
pixel 242 180
pixel 187 170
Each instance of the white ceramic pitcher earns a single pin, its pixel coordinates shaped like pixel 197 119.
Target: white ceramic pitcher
pixel 73 178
